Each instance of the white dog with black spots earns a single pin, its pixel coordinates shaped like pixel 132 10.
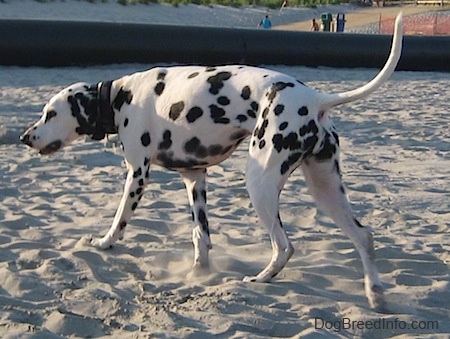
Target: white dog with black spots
pixel 190 118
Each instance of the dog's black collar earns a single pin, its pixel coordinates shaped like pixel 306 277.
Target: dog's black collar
pixel 105 122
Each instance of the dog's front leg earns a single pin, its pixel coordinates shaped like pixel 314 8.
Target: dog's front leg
pixel 132 194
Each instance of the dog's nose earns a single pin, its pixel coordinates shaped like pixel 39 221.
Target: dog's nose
pixel 26 140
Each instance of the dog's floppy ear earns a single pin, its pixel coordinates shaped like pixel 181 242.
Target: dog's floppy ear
pixel 88 100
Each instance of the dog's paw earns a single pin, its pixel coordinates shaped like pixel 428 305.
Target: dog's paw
pixel 99 243
pixel 199 271
pixel 254 279
pixel 376 298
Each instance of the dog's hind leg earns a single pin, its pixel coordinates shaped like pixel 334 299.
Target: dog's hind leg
pixel 195 182
pixel 324 182
pixel 264 186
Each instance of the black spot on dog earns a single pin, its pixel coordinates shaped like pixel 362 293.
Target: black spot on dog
pixel 134 206
pixel 283 126
pixel 217 114
pixel 262 143
pixel 121 98
pixel 139 190
pixel 125 123
pixel 50 114
pixel 159 88
pixel 137 173
pixel 122 225
pixel 311 127
pixel 303 111
pixel 276 87
pixel 290 142
pixel 145 139
pixel 203 193
pixel 223 101
pixel 245 93
pixel 309 144
pixel 161 76
pixel 255 106
pixel 194 195
pixel 203 221
pixel 193 114
pixel 141 182
pixel 176 109
pixel 327 151
pixel 289 162
pixel 210 69
pixel 217 81
pixel 357 222
pixel 166 160
pixel 251 113
pixel 262 129
pixel 336 137
pixel 193 75
pixel 278 109
pixel 166 142
pixel 146 161
pixel 241 118
pixel 265 113
pixel 214 150
pixel 192 145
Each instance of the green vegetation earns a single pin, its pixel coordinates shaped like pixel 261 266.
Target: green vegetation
pixel 233 3
pixel 237 3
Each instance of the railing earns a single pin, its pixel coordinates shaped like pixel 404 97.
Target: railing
pixel 416 2
pixel 423 24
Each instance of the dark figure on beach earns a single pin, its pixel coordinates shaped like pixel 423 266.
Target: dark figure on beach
pixel 314 25
pixel 265 23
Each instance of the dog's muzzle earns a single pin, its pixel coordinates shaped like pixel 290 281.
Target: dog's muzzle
pixel 51 148
pixel 26 140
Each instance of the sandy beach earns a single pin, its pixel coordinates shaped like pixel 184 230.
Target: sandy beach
pixel 395 163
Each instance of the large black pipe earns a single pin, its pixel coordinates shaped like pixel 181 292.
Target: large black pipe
pixel 64 43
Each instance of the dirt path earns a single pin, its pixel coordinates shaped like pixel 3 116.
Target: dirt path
pixel 367 16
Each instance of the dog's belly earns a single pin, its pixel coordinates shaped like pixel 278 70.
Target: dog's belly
pixel 197 151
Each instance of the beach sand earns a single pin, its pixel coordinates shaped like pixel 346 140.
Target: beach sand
pixel 395 163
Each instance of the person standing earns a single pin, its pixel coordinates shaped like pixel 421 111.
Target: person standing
pixel 314 25
pixel 265 23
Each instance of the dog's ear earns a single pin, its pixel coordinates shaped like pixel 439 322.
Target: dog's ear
pixel 89 101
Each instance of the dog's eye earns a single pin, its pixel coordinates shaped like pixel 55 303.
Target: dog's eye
pixel 50 114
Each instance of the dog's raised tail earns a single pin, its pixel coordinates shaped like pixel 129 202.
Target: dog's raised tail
pixel 332 100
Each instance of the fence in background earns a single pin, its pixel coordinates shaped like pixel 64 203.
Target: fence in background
pixel 423 24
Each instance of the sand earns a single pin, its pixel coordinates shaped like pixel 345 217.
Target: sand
pixel 395 163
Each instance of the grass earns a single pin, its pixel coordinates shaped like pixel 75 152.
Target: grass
pixel 235 3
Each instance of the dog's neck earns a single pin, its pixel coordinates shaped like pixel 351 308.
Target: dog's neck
pixel 105 122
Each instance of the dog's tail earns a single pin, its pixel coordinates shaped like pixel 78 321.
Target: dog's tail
pixel 332 100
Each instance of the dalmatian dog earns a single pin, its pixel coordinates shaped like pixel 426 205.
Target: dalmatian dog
pixel 188 118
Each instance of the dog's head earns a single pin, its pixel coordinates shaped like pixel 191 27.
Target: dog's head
pixel 71 113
